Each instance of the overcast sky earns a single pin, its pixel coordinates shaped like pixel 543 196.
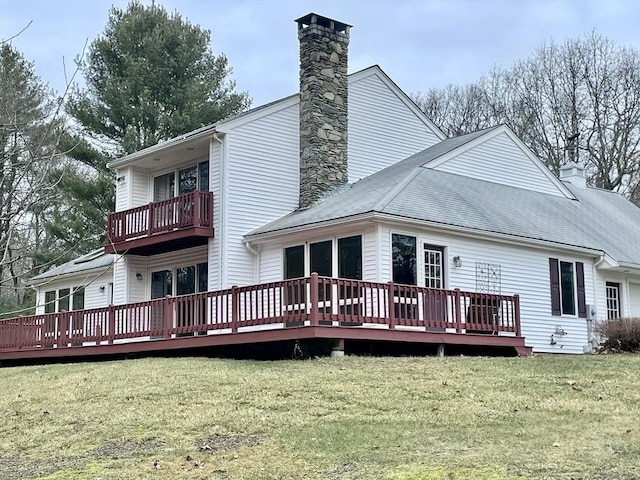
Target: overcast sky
pixel 420 44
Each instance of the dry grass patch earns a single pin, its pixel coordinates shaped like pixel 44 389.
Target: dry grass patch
pixel 355 418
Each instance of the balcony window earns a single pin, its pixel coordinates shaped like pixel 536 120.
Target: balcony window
pixel 195 177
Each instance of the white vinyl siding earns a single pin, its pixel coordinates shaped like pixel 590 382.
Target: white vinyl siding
pixel 369 257
pixel 139 187
pixel 524 271
pixel 215 185
pixel 271 264
pixel 140 290
pixel 262 174
pixel 634 299
pixel 629 293
pixel 94 297
pixel 501 160
pixel 382 129
pixel 123 188
pixel 120 282
pixel 137 288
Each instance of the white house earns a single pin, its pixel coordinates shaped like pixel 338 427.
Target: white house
pixel 349 179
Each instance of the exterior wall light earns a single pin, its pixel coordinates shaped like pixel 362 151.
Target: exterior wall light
pixel 138 276
pixel 457 262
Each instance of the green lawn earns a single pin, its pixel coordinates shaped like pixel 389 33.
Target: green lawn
pixel 555 417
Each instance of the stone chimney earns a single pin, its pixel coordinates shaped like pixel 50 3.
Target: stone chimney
pixel 323 106
pixel 574 174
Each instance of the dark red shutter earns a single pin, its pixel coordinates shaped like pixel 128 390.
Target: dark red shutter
pixel 554 276
pixel 582 304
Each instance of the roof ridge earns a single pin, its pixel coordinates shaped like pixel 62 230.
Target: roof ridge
pixel 388 198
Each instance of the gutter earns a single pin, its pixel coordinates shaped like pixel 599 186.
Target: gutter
pixel 463 231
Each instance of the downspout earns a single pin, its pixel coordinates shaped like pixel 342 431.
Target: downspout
pixel 221 237
pixel 256 261
pixel 590 320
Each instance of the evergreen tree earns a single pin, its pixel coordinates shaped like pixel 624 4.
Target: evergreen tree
pixel 150 76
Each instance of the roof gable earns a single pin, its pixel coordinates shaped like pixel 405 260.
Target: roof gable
pixel 499 156
pixel 376 71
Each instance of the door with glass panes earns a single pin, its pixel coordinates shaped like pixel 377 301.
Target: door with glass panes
pixel 435 304
pixel 172 184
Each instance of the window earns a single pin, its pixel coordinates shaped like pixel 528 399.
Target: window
pixel 321 258
pixel 613 300
pixel 188 279
pixel 347 251
pixel 294 262
pixel 195 177
pixel 185 280
pixel 77 302
pixel 64 300
pixel 403 257
pixel 161 284
pixel 350 257
pixel 567 288
pixel 50 301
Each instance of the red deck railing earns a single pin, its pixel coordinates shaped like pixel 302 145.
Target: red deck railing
pixel 193 209
pixel 310 301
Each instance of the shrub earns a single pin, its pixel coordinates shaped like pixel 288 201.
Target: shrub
pixel 620 334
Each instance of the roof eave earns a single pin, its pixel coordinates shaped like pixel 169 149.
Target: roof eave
pixel 457 229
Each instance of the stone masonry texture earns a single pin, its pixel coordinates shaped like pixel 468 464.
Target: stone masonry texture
pixel 323 108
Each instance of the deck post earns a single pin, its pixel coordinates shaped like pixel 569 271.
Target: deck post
pixel 150 218
pixel 234 309
pixel 63 322
pixel 168 316
pixel 195 216
pixel 516 314
pixel 391 306
pixel 111 324
pixel 313 297
pixel 457 309
pixel 337 350
pixel 20 334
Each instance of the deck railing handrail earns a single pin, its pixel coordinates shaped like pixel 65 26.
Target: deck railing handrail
pixel 193 209
pixel 310 301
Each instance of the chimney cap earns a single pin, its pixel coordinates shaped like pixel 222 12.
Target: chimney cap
pixel 315 19
pixel 571 168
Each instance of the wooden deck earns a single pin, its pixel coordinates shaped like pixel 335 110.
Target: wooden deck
pixel 305 308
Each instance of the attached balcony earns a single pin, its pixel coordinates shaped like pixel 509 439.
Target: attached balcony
pixel 158 227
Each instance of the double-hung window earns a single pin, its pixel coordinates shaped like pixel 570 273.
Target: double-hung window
pixel 567 288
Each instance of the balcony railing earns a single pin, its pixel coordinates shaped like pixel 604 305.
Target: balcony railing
pixel 191 214
pixel 312 301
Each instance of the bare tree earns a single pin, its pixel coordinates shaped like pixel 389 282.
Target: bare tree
pixel 29 129
pixel 576 101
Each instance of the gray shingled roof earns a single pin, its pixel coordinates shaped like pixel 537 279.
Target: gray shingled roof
pixel 91 261
pixel 598 220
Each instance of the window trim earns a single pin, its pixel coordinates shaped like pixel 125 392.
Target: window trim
pixel 555 288
pixel 421 242
pixel 334 253
pixel 175 169
pixel 618 287
pixel 174 278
